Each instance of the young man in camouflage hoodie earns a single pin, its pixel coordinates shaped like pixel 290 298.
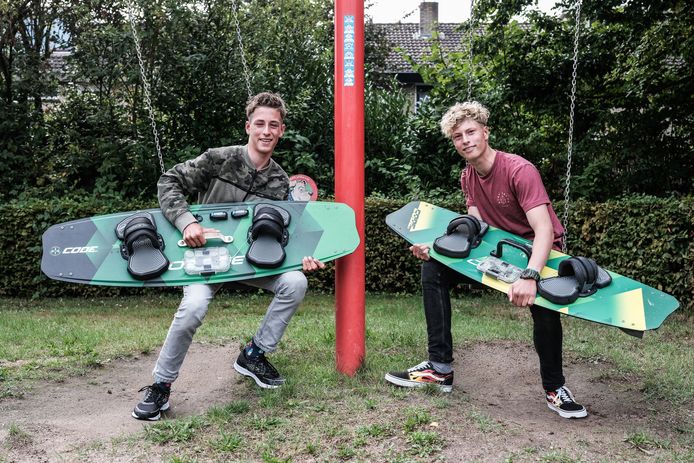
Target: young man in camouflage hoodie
pixel 221 175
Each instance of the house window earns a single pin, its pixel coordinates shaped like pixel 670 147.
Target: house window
pixel 421 95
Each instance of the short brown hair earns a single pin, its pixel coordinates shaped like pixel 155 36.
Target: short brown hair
pixel 461 111
pixel 268 100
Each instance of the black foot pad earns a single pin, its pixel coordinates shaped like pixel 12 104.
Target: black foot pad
pixel 578 277
pixel 142 246
pixel 268 236
pixel 462 235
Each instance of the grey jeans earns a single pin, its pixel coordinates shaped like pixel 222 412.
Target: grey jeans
pixel 289 289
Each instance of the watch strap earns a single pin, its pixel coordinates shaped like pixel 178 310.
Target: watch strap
pixel 530 274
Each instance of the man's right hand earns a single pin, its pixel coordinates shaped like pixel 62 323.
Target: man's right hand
pixel 420 251
pixel 194 235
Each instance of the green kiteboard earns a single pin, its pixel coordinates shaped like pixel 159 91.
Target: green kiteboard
pixel 88 250
pixel 624 303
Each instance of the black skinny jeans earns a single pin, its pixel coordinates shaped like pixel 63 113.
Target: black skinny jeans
pixel 437 280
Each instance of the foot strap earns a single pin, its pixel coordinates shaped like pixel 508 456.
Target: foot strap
pixel 268 235
pixel 578 277
pixel 463 234
pixel 142 246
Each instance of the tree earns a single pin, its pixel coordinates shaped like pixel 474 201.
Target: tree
pixel 192 58
pixel 634 95
pixel 633 131
pixel 28 36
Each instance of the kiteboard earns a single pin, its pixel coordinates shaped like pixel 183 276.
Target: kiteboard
pixel 499 257
pixel 142 249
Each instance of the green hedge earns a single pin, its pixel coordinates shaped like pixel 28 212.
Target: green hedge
pixel 646 238
pixel 21 228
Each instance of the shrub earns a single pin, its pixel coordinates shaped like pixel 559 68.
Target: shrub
pixel 643 237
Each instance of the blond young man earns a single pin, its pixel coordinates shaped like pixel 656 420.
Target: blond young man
pixel 505 191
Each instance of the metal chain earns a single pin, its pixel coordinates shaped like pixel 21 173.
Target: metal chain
pixel 569 148
pixel 470 62
pixel 407 15
pixel 145 86
pixel 246 73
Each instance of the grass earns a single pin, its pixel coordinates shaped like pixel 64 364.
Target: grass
pixel 17 437
pixel 425 443
pixel 167 431
pixel 558 457
pixel 644 440
pixel 340 418
pixel 227 442
pixel 416 417
pixel 483 422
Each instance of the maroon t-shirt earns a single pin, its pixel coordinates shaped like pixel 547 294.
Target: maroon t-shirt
pixel 511 188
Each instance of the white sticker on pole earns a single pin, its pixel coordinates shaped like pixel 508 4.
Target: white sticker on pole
pixel 348 52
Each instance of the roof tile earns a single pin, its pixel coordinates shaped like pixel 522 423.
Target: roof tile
pixel 406 36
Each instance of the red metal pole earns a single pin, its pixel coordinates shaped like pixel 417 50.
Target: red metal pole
pixel 350 283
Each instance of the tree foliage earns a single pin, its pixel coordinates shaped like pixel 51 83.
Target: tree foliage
pixel 625 233
pixel 634 108
pixel 634 101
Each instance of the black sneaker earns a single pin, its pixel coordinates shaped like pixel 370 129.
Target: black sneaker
pixel 262 371
pixel 421 375
pixel 156 400
pixel 562 401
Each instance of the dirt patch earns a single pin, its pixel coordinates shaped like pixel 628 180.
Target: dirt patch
pixel 63 418
pixel 502 388
pixel 496 412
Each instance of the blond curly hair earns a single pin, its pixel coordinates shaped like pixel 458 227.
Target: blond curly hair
pixel 457 113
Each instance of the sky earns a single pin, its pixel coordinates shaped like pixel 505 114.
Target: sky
pixel 450 11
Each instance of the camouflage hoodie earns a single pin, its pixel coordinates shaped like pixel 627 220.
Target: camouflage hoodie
pixel 219 175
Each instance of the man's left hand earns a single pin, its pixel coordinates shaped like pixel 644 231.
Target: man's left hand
pixel 311 264
pixel 522 292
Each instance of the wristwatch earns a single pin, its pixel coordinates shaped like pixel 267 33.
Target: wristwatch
pixel 530 274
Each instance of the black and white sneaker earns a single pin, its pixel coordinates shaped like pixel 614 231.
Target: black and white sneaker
pixel 421 375
pixel 258 368
pixel 155 401
pixel 562 401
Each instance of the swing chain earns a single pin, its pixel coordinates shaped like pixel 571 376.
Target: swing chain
pixel 567 186
pixel 246 73
pixel 145 86
pixel 470 62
